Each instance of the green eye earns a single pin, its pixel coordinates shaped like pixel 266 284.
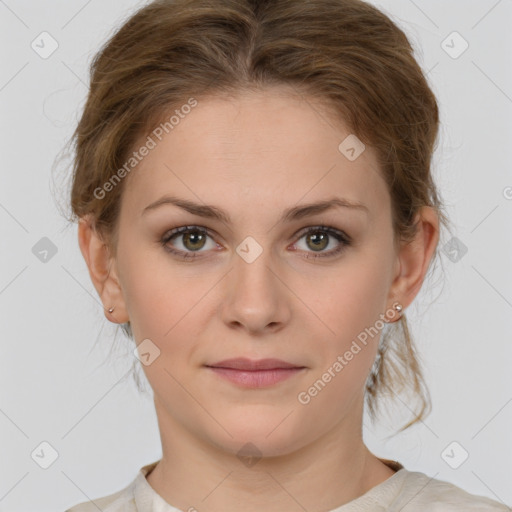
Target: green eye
pixel 318 238
pixel 195 238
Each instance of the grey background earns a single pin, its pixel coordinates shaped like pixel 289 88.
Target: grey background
pixel 57 382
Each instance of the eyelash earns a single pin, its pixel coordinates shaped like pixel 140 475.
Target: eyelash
pixel 340 236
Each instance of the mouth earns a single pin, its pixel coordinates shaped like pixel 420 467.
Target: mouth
pixel 255 373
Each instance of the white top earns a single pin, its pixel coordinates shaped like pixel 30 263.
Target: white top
pixel 405 491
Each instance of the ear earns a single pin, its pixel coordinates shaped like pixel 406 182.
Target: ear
pixel 414 258
pixel 102 269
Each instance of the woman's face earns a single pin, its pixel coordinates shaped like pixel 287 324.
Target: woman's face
pixel 255 284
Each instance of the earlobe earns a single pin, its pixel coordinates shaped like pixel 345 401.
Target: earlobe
pixel 415 257
pixel 102 270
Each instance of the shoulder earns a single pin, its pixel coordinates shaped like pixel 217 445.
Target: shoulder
pixel 121 501
pixel 421 492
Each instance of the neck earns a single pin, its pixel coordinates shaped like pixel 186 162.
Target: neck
pixel 321 476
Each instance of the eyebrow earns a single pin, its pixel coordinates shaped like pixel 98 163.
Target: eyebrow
pixel 294 213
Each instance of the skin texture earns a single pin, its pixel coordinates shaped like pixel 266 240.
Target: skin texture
pixel 253 156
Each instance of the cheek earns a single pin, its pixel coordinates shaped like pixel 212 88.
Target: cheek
pixel 352 298
pixel 350 305
pixel 155 292
pixel 345 358
pixel 167 306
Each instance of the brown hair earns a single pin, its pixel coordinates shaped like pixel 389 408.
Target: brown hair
pixel 345 53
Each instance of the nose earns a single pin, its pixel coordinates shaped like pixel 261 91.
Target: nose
pixel 256 298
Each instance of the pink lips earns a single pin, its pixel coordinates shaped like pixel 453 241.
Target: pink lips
pixel 255 373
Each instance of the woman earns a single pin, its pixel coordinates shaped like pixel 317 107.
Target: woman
pixel 256 209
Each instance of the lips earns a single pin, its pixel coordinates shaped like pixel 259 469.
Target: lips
pixel 244 364
pixel 255 373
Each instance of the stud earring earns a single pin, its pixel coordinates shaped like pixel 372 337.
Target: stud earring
pixel 111 309
pixel 398 308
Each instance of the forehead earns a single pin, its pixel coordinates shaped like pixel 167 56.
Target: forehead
pixel 265 148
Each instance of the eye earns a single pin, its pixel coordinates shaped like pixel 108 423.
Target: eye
pixel 192 238
pixel 320 237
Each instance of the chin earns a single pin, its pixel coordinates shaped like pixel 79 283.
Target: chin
pixel 269 437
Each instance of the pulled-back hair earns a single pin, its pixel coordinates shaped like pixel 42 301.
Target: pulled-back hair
pixel 344 53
